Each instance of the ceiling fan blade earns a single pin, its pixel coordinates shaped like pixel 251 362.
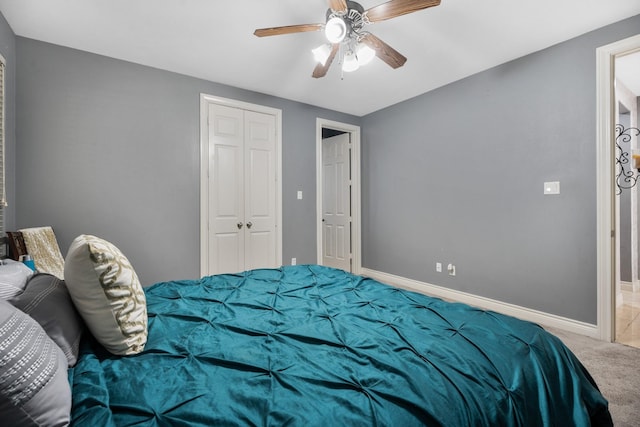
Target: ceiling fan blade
pixel 394 8
pixel 289 29
pixel 338 5
pixel 385 52
pixel 321 70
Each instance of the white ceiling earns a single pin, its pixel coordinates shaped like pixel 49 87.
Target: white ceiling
pixel 214 40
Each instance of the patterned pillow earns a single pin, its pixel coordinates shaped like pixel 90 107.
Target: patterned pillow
pixel 47 300
pixel 42 245
pixel 34 386
pixel 107 293
pixel 13 278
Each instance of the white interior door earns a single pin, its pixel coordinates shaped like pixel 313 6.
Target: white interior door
pixel 260 190
pixel 226 189
pixel 242 186
pixel 336 202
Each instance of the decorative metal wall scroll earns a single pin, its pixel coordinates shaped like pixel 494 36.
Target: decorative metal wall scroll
pixel 628 171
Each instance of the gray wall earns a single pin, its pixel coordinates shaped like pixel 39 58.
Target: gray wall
pixel 8 51
pixel 111 148
pixel 456 175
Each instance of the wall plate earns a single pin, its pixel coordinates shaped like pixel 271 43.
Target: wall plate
pixel 552 187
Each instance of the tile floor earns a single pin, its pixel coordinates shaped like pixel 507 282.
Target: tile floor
pixel 628 320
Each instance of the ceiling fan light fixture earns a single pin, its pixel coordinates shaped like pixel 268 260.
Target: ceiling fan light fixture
pixel 348 41
pixel 335 29
pixel 364 54
pixel 321 53
pixel 350 62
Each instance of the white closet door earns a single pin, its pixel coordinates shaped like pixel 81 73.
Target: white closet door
pixel 226 190
pixel 242 190
pixel 336 204
pixel 260 190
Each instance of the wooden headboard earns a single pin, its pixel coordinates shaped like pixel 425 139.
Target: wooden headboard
pixel 16 245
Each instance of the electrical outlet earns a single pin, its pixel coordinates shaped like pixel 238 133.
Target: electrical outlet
pixel 451 269
pixel 294 261
pixel 439 267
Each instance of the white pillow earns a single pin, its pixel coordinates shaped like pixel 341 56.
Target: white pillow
pixel 13 278
pixel 107 293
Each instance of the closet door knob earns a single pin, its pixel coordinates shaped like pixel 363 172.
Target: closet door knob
pixel 239 225
pixel 249 224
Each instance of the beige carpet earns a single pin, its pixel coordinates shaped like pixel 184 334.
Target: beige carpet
pixel 616 370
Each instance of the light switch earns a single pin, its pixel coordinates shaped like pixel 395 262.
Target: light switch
pixel 552 187
pixel 299 195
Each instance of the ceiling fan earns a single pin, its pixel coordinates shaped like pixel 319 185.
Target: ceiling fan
pixel 344 28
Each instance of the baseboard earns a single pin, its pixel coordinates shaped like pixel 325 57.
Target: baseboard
pixel 542 318
pixel 630 286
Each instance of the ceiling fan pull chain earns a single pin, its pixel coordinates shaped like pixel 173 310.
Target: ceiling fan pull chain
pixel 341 60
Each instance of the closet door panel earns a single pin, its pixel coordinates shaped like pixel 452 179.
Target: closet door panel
pixel 226 186
pixel 260 189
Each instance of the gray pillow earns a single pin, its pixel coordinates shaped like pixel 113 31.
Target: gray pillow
pixel 13 278
pixel 47 300
pixel 34 387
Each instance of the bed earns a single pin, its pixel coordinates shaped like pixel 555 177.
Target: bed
pixel 315 346
pixel 83 343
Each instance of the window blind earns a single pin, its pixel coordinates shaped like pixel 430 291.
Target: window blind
pixel 3 193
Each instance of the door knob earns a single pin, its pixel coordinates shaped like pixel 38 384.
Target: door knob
pixel 239 225
pixel 249 224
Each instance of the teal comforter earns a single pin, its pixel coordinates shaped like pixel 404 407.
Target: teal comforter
pixel 314 346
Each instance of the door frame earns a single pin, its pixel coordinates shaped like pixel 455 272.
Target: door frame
pixel 356 245
pixel 605 229
pixel 205 102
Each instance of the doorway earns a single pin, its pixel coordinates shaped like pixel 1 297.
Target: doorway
pixel 627 183
pixel 338 195
pixel 610 241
